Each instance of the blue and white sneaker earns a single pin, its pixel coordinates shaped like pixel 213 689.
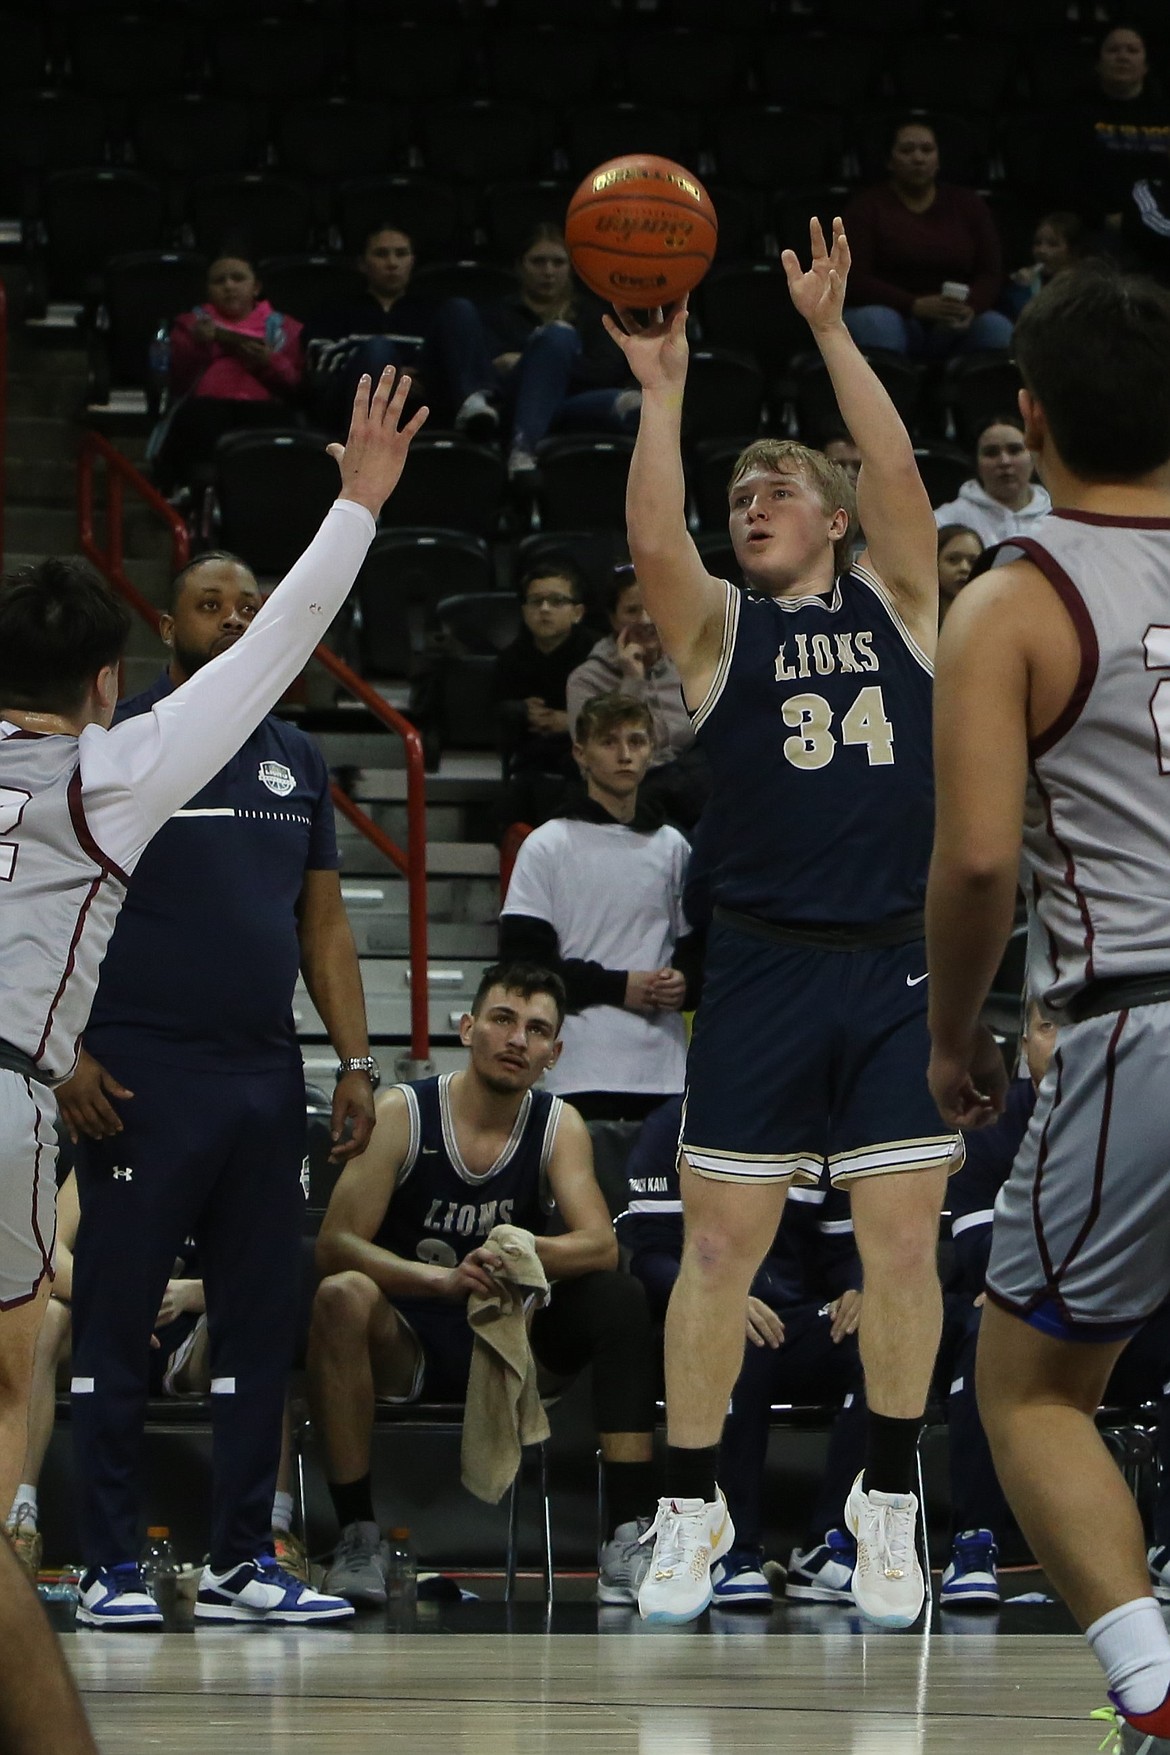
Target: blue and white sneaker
pixel 970 1579
pixel 738 1581
pixel 1158 1560
pixel 823 1574
pixel 115 1596
pixel 260 1590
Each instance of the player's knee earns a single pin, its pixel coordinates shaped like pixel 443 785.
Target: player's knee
pixel 721 1252
pixel 342 1306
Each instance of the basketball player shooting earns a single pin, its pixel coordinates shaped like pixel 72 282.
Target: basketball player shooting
pixel 1052 736
pixel 811 693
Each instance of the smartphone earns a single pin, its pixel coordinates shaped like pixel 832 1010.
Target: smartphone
pixel 956 289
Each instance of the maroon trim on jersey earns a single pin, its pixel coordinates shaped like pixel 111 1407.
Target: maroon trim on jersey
pixel 1086 637
pixel 82 915
pixel 1113 520
pixel 84 835
pixel 1070 874
pixel 20 734
pixel 1053 947
pixel 1094 1211
pixel 46 1254
pixel 1041 1160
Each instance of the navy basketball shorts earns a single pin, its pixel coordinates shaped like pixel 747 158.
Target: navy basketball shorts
pixel 445 1342
pixel 802 1055
pixel 1080 1247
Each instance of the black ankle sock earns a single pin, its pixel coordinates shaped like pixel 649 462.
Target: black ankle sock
pixel 629 1491
pixel 690 1474
pixel 352 1501
pixel 891 1450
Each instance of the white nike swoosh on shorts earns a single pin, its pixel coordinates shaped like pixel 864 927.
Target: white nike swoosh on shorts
pixel 916 980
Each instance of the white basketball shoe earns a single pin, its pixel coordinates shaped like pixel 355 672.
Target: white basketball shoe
pixel 888 1585
pixel 689 1535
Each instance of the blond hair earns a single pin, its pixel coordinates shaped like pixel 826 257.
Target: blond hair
pixel 827 479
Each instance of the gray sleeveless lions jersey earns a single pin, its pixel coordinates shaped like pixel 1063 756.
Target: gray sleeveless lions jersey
pixel 76 812
pixel 1096 853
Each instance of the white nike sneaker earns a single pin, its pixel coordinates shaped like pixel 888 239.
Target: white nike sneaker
pixel 888 1585
pixel 689 1536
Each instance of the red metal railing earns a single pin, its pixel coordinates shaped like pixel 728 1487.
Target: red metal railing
pixel 3 409
pixel 121 474
pixel 514 838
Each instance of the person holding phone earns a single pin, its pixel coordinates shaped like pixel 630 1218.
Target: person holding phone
pixel 926 268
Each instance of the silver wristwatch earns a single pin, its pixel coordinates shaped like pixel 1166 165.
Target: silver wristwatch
pixel 361 1063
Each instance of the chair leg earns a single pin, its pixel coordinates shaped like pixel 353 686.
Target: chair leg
pixel 299 1435
pixel 547 1511
pixel 513 1533
pixel 926 1574
pixel 600 1503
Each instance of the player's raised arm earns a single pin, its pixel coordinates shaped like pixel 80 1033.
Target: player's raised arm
pixel 137 774
pixel 685 603
pixel 892 503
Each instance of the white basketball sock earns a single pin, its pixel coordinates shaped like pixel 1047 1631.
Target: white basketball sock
pixel 26 1494
pixel 1133 1648
pixel 282 1510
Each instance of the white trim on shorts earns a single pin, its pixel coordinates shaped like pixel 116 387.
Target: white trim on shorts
pixel 752 1166
pixel 420 1365
pixel 937 1152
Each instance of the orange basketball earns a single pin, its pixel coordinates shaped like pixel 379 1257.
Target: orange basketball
pixel 641 230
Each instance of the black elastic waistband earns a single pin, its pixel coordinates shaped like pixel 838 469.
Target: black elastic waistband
pixel 17 1061
pixel 900 929
pixel 1102 997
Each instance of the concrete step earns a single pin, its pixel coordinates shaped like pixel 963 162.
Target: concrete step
pixel 40 530
pixel 387 990
pixel 392 1054
pixel 41 481
pixel 40 437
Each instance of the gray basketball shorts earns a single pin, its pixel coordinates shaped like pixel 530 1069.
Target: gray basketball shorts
pixel 1081 1241
pixel 28 1187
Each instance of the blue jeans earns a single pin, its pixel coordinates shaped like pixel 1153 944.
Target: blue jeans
pixel 882 326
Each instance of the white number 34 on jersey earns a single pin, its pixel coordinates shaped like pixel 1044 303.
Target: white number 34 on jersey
pixel 814 744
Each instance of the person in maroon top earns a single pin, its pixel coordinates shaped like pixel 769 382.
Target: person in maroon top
pixel 926 258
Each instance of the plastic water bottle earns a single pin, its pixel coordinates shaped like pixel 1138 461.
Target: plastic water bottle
pixel 157 1562
pixel 159 354
pixel 401 1574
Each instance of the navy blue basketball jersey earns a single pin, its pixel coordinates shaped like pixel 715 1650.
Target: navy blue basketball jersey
pixel 439 1211
pixel 817 726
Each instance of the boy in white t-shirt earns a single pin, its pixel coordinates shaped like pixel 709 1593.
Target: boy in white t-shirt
pixel 598 895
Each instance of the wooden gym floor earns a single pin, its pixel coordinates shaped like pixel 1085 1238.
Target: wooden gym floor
pixel 811 1681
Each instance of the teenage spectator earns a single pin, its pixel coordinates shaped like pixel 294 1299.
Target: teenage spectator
pixel 840 448
pixel 597 895
pixel 959 547
pixel 530 683
pixel 404 1243
pixel 1003 498
pixel 630 661
pixel 1119 130
pixel 1059 242
pixel 542 355
pixel 234 362
pixel 188 1104
pixel 926 265
pixel 801 1324
pixel 1141 1374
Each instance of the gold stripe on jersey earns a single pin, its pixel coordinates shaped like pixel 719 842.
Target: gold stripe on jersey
pixel 886 597
pixel 718 681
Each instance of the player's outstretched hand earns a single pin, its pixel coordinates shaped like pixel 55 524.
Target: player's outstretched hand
pixel 372 457
pixel 970 1089
pixel 656 350
pixel 819 292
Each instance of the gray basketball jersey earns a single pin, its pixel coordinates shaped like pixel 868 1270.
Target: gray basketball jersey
pixel 1096 854
pixel 61 900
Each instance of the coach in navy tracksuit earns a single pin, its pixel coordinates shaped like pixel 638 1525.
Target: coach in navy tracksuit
pixel 190 1102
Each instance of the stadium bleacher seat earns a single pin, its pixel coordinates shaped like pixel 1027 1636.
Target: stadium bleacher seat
pixel 409 63
pixel 259 214
pixel 570 12
pixel 467 702
pixel 323 138
pixel 528 64
pixel 510 212
pixel 711 462
pixel 596 132
pixel 302 284
pixel 88 215
pixel 24 50
pixel 791 214
pixel 582 481
pixel 839 72
pixel 944 469
pixel 481 282
pixel 975 388
pixel 272 490
pixel 423 566
pixel 187 133
pixel 771 148
pixel 964 73
pixel 140 294
pixel 1060 68
pixel 724 394
pixel 270 58
pixel 746 307
pixel 742 215
pixel 460 140
pixel 718 556
pixel 1035 159
pixel 451 483
pixel 427 209
pixel 861 18
pixel 697 67
pixel 42 132
pixel 816 402
pixel 130 54
pixel 480 621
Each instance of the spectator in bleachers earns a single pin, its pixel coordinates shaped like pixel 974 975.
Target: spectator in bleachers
pixel 839 447
pixel 630 661
pixel 801 1325
pixel 1059 242
pixel 188 1107
pixel 406 1241
pixel 1119 130
pixel 978 1505
pixel 530 683
pixel 959 547
pixel 927 269
pixel 597 895
pixel 542 356
pixel 1003 498
pixel 234 362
